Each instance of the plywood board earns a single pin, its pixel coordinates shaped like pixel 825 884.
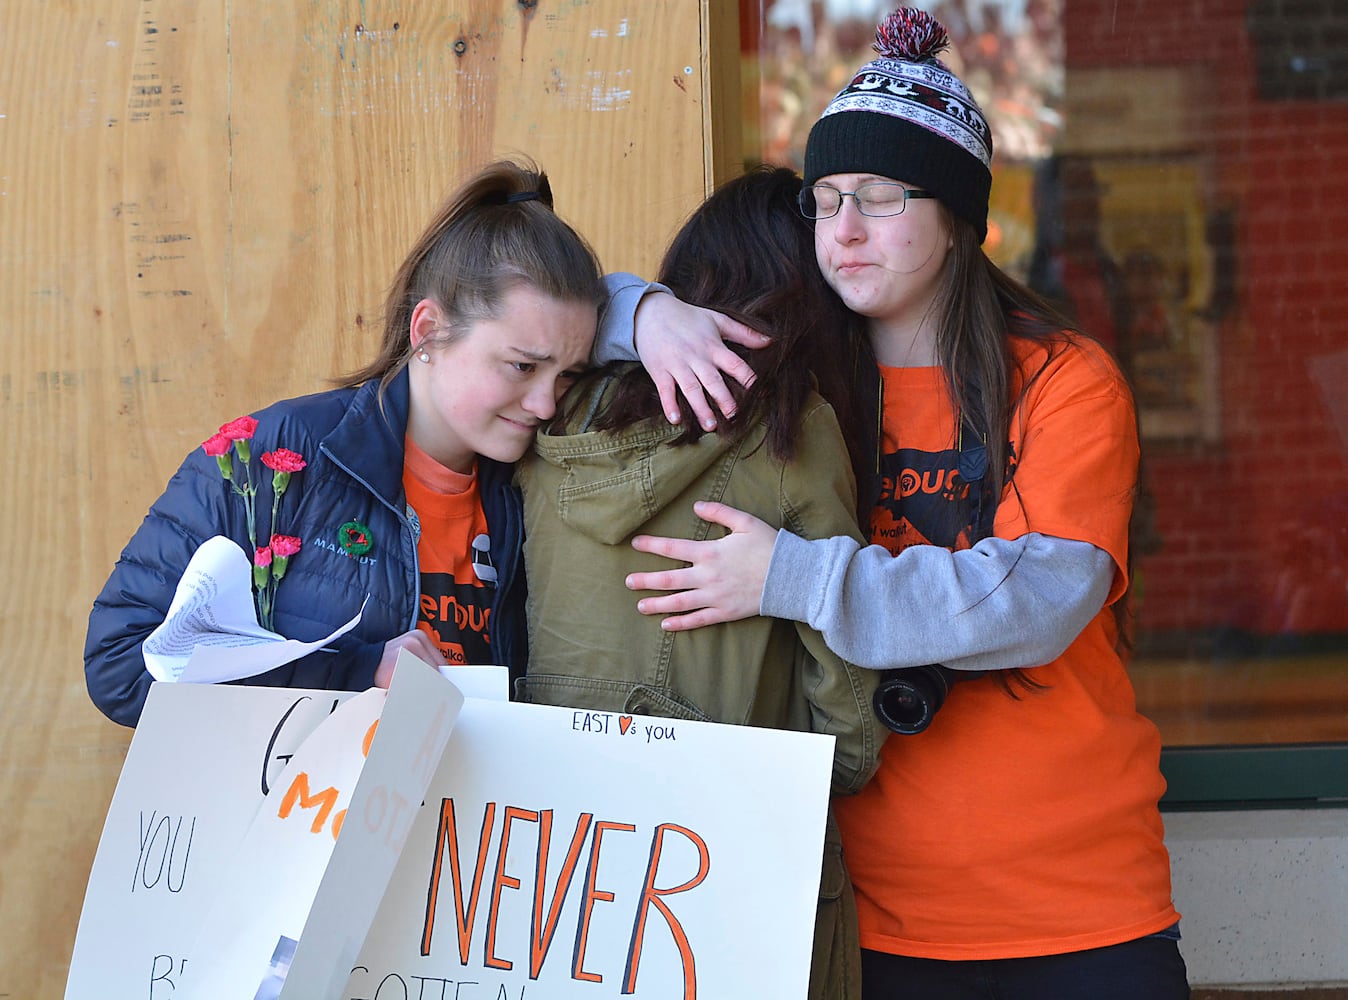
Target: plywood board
pixel 200 205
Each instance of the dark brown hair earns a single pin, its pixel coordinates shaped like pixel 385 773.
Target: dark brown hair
pixel 747 252
pixel 980 309
pixel 495 232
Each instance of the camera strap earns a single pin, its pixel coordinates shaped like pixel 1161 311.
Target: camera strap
pixel 973 469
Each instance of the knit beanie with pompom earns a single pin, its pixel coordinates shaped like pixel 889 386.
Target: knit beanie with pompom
pixel 907 117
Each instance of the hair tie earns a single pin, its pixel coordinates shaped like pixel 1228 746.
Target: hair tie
pixel 519 196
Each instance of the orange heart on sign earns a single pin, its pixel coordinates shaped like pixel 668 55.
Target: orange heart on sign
pixel 624 723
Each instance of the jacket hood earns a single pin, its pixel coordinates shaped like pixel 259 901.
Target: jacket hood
pixel 608 484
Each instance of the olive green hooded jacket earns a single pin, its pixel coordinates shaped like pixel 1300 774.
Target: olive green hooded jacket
pixel 585 495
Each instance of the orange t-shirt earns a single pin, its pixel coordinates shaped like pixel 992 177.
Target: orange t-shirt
pixel 1016 827
pixel 454 553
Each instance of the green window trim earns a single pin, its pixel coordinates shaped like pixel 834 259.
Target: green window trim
pixel 1267 776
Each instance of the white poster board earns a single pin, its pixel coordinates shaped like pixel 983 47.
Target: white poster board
pixel 551 852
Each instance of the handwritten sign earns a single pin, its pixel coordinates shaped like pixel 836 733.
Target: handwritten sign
pixel 604 855
pixel 315 861
pixel 198 767
pixel 551 853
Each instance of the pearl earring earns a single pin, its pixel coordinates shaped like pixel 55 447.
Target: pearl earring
pixel 424 357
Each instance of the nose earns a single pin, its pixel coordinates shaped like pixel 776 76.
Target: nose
pixel 849 225
pixel 541 399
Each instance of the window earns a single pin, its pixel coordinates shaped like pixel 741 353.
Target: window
pixel 1179 187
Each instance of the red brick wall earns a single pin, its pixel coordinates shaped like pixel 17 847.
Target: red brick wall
pixel 1255 528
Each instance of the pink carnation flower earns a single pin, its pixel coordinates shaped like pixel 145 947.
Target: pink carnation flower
pixel 271 560
pixel 283 460
pixel 284 546
pixel 239 429
pixel 261 562
pixel 217 445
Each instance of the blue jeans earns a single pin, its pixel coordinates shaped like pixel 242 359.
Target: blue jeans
pixel 1150 968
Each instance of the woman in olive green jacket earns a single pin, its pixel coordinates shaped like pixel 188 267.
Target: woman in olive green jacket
pixel 610 466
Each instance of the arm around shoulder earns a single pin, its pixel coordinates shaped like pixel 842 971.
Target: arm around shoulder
pixel 1004 603
pixel 616 337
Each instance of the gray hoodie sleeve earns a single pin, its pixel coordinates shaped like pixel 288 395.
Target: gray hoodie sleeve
pixel 616 337
pixel 998 605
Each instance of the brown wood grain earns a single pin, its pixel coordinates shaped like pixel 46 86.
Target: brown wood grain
pixel 200 206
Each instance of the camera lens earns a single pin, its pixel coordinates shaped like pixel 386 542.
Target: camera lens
pixel 906 700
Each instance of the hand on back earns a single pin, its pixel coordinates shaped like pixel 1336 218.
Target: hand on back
pixel 683 347
pixel 723 581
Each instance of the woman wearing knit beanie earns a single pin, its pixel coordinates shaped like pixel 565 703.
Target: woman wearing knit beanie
pixel 1011 847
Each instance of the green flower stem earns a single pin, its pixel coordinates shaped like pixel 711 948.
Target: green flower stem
pixel 279 482
pixel 248 508
pixel 264 602
pixel 266 579
pixel 247 491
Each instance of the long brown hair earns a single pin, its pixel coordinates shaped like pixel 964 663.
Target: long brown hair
pixel 980 309
pixel 748 252
pixel 497 231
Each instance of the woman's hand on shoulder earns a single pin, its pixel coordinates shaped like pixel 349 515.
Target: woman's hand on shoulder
pixel 416 642
pixel 724 578
pixel 683 347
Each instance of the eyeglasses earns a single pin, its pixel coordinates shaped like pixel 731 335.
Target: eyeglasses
pixel 878 200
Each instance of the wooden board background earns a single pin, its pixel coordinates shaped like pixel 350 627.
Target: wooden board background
pixel 200 204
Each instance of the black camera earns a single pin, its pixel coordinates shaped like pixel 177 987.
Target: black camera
pixel 906 700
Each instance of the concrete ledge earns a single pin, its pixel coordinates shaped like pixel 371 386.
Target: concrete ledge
pixel 1264 898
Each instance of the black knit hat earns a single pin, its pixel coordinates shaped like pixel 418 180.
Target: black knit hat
pixel 906 116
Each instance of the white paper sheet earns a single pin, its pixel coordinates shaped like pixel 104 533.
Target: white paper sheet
pixel 477 681
pixel 210 633
pixel 560 853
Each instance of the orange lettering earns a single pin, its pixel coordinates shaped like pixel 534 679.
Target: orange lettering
pixel 542 930
pixel 930 486
pixel 427 758
pixel 448 835
pixel 299 792
pixel 650 896
pixel 503 881
pixel 591 895
pixel 908 481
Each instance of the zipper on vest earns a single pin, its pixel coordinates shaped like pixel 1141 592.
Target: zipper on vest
pixel 407 517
